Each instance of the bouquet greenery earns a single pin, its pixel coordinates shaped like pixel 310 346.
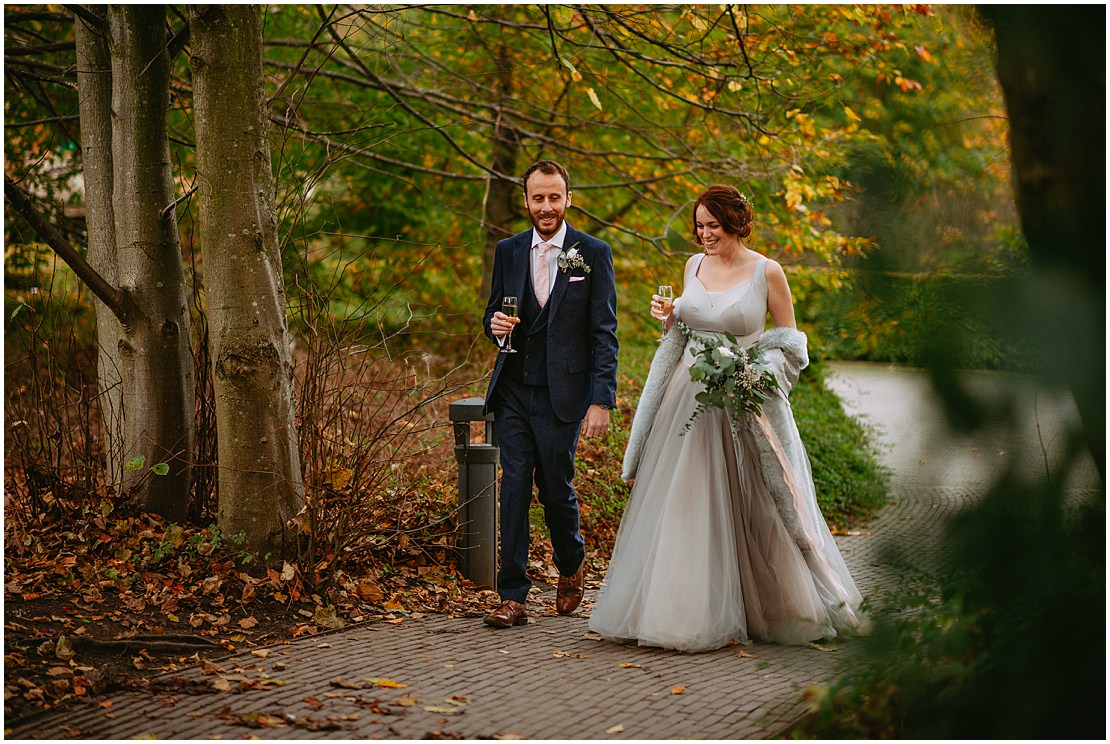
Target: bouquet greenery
pixel 735 379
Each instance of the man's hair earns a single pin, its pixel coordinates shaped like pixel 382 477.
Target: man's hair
pixel 548 168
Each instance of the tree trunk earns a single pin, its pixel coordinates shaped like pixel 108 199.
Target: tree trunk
pixel 499 212
pixel 260 479
pixel 94 83
pixel 155 351
pixel 1051 63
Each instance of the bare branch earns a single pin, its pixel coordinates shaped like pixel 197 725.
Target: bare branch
pixel 170 207
pixel 87 16
pixel 405 105
pixel 105 292
pixel 41 49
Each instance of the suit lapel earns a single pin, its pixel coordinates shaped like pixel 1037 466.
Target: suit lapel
pixel 522 265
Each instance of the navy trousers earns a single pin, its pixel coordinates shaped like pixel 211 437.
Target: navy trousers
pixel 535 447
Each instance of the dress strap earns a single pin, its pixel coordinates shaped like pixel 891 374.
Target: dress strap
pixel 761 271
pixel 693 271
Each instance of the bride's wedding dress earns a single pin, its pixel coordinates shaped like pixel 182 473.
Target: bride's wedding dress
pixel 722 539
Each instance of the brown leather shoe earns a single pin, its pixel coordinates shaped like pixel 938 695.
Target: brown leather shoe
pixel 510 613
pixel 570 591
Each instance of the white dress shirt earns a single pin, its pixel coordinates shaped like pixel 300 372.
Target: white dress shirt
pixel 552 265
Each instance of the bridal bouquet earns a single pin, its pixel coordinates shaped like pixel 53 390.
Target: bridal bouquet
pixel 735 379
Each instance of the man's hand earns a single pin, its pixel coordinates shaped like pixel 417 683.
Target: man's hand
pixel 501 324
pixel 596 423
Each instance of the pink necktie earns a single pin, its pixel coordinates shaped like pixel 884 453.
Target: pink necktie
pixel 543 275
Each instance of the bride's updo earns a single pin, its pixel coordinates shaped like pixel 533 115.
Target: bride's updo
pixel 731 208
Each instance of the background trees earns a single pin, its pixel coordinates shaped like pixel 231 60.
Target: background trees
pixel 398 133
pixel 146 375
pixel 134 230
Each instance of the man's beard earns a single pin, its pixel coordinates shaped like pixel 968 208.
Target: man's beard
pixel 559 217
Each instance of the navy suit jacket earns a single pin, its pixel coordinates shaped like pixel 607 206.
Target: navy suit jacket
pixel 582 322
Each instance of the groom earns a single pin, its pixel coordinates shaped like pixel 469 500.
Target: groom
pixel 561 381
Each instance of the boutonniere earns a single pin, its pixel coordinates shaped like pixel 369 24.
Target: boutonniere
pixel 572 259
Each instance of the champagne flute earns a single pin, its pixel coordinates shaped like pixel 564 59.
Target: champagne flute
pixel 666 296
pixel 509 307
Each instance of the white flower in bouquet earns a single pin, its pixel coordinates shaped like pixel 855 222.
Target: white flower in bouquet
pixel 572 259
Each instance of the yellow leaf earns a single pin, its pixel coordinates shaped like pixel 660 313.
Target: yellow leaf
pixel 340 477
pixel 593 98
pixel 575 75
pixel 385 682
pixel 851 114
pixel 678 690
pixel 614 729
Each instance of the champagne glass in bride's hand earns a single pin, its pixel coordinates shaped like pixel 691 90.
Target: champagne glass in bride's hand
pixel 666 298
pixel 509 307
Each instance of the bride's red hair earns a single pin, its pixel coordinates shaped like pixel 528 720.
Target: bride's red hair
pixel 731 208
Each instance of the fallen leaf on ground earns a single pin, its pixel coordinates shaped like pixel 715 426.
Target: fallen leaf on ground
pixel 384 682
pixel 678 690
pixel 615 729
pixel 64 650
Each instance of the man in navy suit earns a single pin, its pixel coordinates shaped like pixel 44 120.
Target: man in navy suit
pixel 560 381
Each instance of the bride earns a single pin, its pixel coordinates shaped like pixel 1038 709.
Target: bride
pixel 722 539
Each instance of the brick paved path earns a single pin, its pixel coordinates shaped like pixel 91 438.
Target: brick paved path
pixel 553 679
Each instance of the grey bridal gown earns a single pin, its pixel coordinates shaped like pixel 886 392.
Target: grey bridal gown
pixel 703 555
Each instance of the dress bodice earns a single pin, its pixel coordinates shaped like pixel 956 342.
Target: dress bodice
pixel 740 310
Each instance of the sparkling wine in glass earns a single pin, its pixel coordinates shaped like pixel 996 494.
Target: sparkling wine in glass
pixel 509 307
pixel 666 296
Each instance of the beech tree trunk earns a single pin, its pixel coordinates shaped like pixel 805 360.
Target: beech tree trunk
pixel 94 83
pixel 259 477
pixel 154 352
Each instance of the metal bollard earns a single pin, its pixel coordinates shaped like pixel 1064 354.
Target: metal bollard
pixel 477 492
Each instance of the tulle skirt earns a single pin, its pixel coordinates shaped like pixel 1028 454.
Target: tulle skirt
pixel 703 555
